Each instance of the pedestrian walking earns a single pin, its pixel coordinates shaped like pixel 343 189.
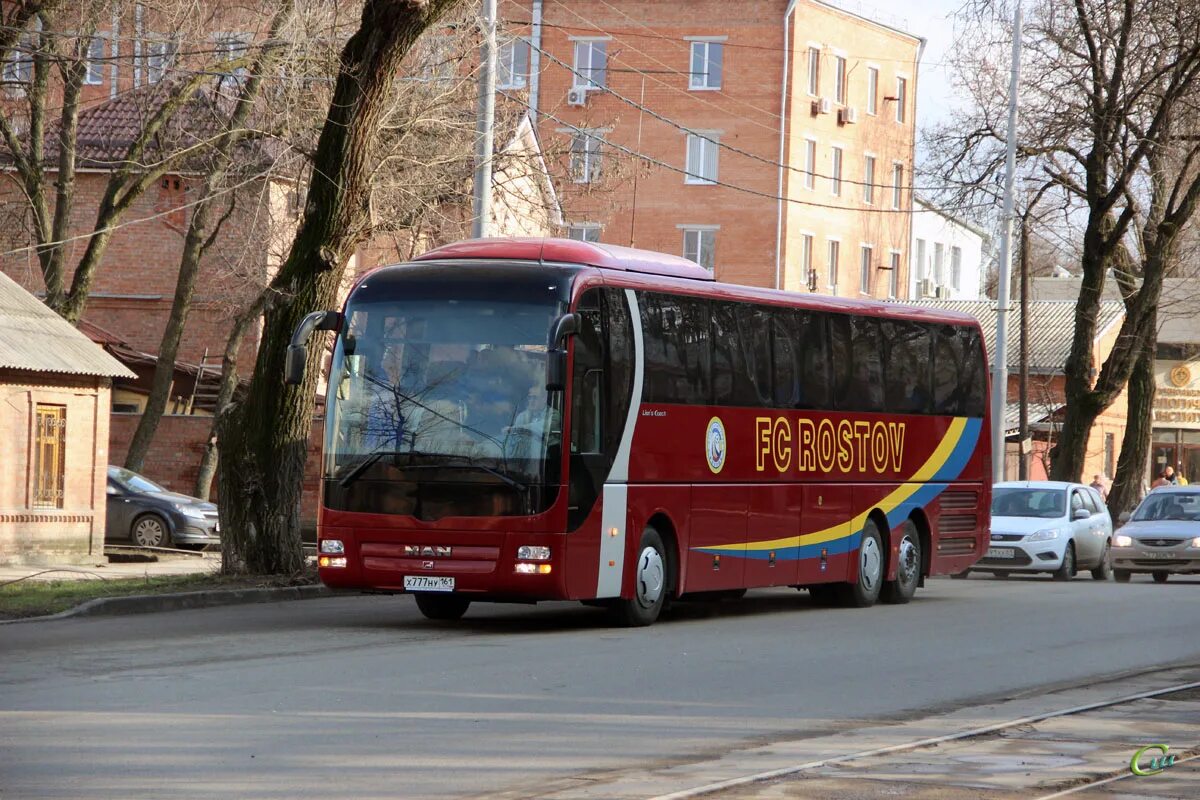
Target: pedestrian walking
pixel 1100 485
pixel 1165 478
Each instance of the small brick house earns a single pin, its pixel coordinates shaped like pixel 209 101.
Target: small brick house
pixel 54 412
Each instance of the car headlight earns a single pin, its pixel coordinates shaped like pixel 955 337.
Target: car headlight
pixel 1196 542
pixel 1043 536
pixel 1121 540
pixel 191 512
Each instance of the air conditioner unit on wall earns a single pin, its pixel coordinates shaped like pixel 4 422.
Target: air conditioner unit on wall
pixel 847 115
pixel 824 105
pixel 925 288
pixel 577 96
pixel 942 292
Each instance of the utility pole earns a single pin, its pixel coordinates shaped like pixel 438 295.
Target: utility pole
pixel 1000 367
pixel 484 122
pixel 1023 425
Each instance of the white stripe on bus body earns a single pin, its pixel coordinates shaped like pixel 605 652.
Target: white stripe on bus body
pixel 614 513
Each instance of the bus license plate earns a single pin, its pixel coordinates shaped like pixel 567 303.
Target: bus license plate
pixel 424 583
pixel 1001 552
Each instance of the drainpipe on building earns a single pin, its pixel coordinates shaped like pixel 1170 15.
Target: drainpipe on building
pixel 912 167
pixel 535 61
pixel 783 105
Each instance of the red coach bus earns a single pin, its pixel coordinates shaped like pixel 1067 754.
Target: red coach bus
pixel 524 420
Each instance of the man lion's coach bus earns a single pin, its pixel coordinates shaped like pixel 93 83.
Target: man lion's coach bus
pixel 524 420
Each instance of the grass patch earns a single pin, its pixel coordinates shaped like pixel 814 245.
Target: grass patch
pixel 33 598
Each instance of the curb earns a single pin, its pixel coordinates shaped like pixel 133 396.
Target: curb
pixel 180 601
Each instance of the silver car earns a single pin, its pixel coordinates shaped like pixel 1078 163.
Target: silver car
pixel 1161 537
pixel 1048 526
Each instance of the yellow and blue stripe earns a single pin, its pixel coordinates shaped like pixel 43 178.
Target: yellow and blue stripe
pixel 946 463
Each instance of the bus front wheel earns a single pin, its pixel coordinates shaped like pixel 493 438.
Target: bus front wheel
pixel 650 584
pixel 447 607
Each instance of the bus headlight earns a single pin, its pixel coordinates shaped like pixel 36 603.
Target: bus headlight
pixel 534 569
pixel 529 552
pixel 333 546
pixel 330 561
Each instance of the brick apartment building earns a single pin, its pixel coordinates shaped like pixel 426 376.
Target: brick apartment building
pixel 714 95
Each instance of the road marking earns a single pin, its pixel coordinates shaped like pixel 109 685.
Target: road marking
pixel 734 783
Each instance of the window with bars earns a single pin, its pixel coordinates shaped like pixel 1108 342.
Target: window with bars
pixel 702 151
pixel 50 446
pixel 591 63
pixel 700 245
pixel 585 158
pixel 866 256
pixel 814 71
pixel 512 64
pixel 707 64
pixel 868 179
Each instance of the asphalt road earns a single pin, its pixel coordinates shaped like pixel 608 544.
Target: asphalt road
pixel 359 697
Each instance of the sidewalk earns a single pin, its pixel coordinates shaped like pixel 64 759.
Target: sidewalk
pixel 101 569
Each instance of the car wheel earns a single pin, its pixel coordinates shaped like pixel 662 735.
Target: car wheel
pixel 872 566
pixel 149 530
pixel 908 567
pixel 650 583
pixel 1104 569
pixel 1122 575
pixel 445 607
pixel 1067 570
pixel 1159 576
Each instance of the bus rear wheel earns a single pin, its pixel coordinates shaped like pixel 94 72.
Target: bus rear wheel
pixel 908 567
pixel 445 607
pixel 872 565
pixel 650 582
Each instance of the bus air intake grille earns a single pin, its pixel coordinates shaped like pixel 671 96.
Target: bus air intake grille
pixel 951 547
pixel 959 500
pixel 958 523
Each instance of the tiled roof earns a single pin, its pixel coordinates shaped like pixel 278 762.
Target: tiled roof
pixel 1038 412
pixel 1051 327
pixel 34 338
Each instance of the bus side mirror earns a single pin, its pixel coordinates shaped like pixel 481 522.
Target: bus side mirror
pixel 556 358
pixel 297 351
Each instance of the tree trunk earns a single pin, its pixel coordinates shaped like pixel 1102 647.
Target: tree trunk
pixel 263 441
pixel 1135 445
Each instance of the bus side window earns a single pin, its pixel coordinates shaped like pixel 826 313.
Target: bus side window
pixel 619 366
pixel 755 328
pixel 907 366
pixel 974 372
pixel 946 369
pixel 815 359
pixel 676 341
pixel 733 384
pixel 588 377
pixel 839 359
pixel 785 351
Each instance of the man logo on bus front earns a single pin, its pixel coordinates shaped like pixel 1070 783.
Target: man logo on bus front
pixel 715 445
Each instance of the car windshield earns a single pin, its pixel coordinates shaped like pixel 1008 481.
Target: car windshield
pixel 1169 505
pixel 1028 502
pixel 133 482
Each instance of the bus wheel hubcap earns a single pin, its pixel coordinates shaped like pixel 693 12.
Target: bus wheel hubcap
pixel 869 563
pixel 650 577
pixel 907 565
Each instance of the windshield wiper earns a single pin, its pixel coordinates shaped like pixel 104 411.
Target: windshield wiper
pixel 507 479
pixel 362 467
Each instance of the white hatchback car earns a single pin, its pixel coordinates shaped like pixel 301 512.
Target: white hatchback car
pixel 1048 526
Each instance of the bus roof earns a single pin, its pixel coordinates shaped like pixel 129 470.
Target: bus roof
pixel 679 272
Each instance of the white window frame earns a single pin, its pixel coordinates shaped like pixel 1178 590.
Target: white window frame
pixel 702 81
pixel 583 76
pixel 841 78
pixel 810 162
pixel 869 163
pixel 894 279
pixel 708 146
pixel 226 46
pixel 158 54
pixel 814 70
pixel 837 159
pixel 833 258
pixel 901 98
pixel 807 241
pixel 699 232
pixel 18 62
pixel 507 74
pixel 866 255
pixel 897 185
pixel 955 267
pixel 939 263
pixel 589 170
pixel 872 90
pixel 94 69
pixel 588 231
pixel 920 255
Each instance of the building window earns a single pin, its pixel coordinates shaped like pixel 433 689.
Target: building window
pixel 814 71
pixel 839 89
pixel 872 90
pixel 836 186
pixel 701 158
pixel 956 267
pixel 591 63
pixel 869 179
pixel 700 245
pixel 584 232
pixel 1110 454
pixel 901 98
pixel 585 158
pixel 864 268
pixel 706 67
pixel 835 248
pixel 512 64
pixel 50 447
pixel 894 277
pixel 897 185
pixel 806 257
pixel 810 163
pixel 939 258
pixel 158 55
pixel 920 259
pixel 18 63
pixel 230 47
pixel 95 62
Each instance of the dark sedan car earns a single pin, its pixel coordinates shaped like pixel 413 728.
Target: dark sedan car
pixel 141 511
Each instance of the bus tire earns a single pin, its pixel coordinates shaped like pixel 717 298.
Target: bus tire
pixel 442 607
pixel 650 582
pixel 908 567
pixel 872 566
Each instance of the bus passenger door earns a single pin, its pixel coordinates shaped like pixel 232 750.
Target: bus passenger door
pixel 775 512
pixel 825 531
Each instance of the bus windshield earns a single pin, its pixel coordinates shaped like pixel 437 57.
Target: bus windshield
pixel 438 407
